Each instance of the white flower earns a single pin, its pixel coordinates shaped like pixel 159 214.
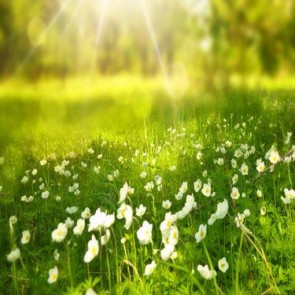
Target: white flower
pixel 90 151
pixel 289 193
pixel 223 264
pixel 201 233
pixel 144 234
pixel 79 228
pixel 260 166
pixel 234 163
pixel 287 140
pixel 27 199
pixel 166 204
pixel 199 155
pixel 289 196
pixel 244 169
pixel 167 252
pixel 212 219
pixel 97 220
pixel 109 221
pixel 143 174
pixel 25 179
pixel 69 222
pixel 183 188
pixel 124 191
pixel 149 186
pixel 259 193
pixel 83 164
pixel 274 157
pixel 56 255
pixel 172 168
pixel 171 237
pixel 246 212
pixel 168 222
pixel 235 178
pixel 197 185
pixel 96 169
pixel 90 291
pixel 105 238
pixel 140 211
pixel 92 251
pixel 13 255
pixel 238 153
pixel 263 211
pixel 188 207
pixel 222 209
pixel 60 233
pixel 150 268
pixel 239 219
pixel 53 275
pixel 34 172
pixel 206 190
pixel 72 210
pixel 235 194
pixel 205 272
pixel 220 161
pixel 125 211
pixel 43 162
pixel 74 187
pixel 45 195
pixel 86 213
pixel 26 236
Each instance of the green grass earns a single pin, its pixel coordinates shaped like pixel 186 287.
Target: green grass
pixel 116 122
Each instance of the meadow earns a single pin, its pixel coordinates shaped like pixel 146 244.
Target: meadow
pixel 119 189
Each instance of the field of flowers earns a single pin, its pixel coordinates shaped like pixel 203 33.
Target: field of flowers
pixel 193 200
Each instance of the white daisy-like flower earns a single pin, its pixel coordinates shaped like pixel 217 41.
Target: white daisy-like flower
pixel 93 249
pixel 197 185
pixel 26 236
pixel 79 228
pixel 274 157
pixel 72 210
pixel 144 234
pixel 206 190
pixel 53 275
pixel 59 234
pixel 205 272
pixel 244 169
pixel 235 194
pixel 140 211
pixel 166 204
pixel 13 255
pixel 201 233
pixel 223 264
pixel 150 268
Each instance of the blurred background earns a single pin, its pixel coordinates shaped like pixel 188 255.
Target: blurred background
pixel 204 44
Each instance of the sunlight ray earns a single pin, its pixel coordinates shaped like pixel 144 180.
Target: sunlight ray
pixel 99 31
pixel 52 22
pixel 156 47
pixel 72 17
